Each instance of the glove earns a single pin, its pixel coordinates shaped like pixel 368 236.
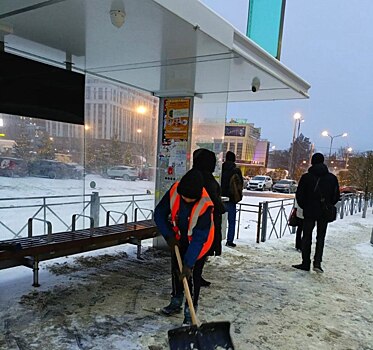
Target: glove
pixel 172 241
pixel 186 272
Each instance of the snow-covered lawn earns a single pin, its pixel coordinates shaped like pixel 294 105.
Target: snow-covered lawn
pixel 107 299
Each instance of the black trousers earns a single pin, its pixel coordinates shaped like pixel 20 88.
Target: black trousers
pixel 298 236
pixel 194 282
pixel 308 226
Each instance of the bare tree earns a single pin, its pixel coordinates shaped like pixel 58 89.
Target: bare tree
pixel 361 174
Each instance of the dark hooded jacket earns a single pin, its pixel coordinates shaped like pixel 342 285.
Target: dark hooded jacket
pixel 205 161
pixel 309 195
pixel 229 168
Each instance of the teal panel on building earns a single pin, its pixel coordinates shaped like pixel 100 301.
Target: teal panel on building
pixel 265 23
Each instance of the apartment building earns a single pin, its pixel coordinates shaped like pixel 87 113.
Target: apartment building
pixel 243 138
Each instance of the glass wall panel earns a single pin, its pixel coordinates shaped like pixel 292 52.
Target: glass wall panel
pixel 209 115
pixel 41 175
pixel 52 170
pixel 120 142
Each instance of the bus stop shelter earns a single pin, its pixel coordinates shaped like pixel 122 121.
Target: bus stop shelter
pixel 169 48
pixel 181 52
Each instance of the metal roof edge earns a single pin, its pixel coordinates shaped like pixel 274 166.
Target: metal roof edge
pixel 254 54
pixel 201 18
pixel 209 22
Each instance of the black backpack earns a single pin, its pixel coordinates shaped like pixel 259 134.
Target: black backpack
pixel 328 210
pixel 235 188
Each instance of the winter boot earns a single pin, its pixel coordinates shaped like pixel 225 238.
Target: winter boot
pixel 174 307
pixel 302 267
pixel 205 283
pixel 187 316
pixel 317 268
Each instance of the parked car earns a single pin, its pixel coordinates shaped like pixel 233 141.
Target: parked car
pixel 76 171
pixel 11 167
pixel 350 189
pixel 123 171
pixel 147 173
pixel 260 182
pixel 285 186
pixel 50 168
pixel 246 180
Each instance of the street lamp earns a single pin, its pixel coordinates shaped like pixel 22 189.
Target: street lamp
pixel 139 131
pixel 326 133
pixel 348 152
pixel 297 120
pixel 141 109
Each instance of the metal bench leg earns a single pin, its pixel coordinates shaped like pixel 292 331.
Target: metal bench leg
pixel 35 270
pixel 139 250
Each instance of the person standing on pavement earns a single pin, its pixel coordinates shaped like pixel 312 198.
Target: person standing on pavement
pixel 184 217
pixel 298 236
pixel 318 185
pixel 228 170
pixel 204 160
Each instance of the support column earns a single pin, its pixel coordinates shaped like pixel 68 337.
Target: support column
pixel 174 146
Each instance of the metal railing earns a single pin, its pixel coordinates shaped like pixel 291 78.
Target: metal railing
pixel 15 212
pixel 353 203
pixel 271 217
pixel 57 210
pixel 249 208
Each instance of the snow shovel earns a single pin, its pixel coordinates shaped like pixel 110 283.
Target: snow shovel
pixel 208 336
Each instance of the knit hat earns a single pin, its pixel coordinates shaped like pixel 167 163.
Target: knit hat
pixel 230 156
pixel 204 160
pixel 191 184
pixel 317 158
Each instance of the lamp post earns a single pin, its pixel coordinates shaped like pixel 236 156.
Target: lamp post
pixel 141 110
pixel 348 152
pixel 297 120
pixel 326 133
pixel 139 131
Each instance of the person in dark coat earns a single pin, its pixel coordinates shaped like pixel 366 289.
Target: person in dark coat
pixel 204 160
pixel 184 218
pixel 316 183
pixel 229 168
pixel 298 236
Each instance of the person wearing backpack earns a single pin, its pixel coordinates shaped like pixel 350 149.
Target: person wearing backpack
pixel 231 187
pixel 318 189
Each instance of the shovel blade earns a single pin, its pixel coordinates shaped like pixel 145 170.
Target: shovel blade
pixel 209 336
pixel 183 338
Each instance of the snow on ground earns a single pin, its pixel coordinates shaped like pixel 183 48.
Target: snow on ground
pixel 107 299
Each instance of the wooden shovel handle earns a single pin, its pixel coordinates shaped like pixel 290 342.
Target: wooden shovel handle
pixel 186 289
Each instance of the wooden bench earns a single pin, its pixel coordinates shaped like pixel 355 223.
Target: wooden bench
pixel 34 249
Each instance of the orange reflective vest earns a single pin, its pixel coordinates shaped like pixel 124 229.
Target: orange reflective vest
pixel 198 209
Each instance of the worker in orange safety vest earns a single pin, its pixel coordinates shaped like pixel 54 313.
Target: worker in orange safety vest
pixel 184 217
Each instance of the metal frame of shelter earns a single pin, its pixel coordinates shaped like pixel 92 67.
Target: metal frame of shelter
pixel 160 46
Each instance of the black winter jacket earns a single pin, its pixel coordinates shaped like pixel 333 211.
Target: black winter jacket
pixel 213 189
pixel 205 161
pixel 309 196
pixel 229 168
